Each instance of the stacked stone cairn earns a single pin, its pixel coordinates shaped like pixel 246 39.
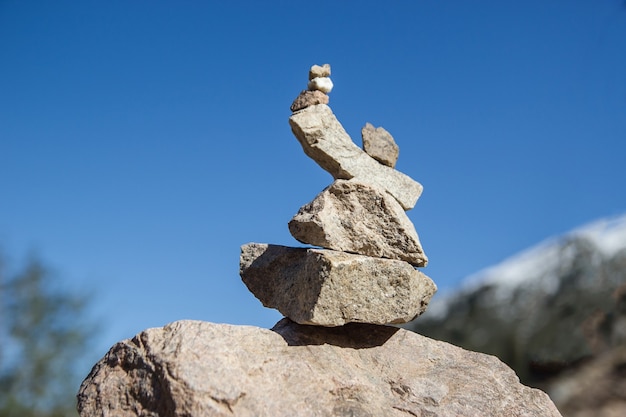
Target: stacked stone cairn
pixel 364 270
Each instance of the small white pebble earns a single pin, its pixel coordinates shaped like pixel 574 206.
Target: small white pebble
pixel 323 84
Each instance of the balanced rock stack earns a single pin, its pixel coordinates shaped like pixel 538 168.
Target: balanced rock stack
pixel 315 362
pixel 364 270
pixel 319 86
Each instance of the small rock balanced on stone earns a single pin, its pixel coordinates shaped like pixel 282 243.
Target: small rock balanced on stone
pixel 363 268
pixel 319 86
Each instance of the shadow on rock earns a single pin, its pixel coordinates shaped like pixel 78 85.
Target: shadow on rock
pixel 351 335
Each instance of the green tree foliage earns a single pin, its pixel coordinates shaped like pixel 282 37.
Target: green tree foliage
pixel 44 334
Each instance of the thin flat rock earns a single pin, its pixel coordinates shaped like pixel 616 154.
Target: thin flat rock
pixel 308 98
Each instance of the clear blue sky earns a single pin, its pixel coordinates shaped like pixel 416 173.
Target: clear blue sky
pixel 141 143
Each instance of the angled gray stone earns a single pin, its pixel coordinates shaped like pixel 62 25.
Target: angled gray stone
pixel 330 288
pixel 194 368
pixel 379 144
pixel 352 216
pixel 324 140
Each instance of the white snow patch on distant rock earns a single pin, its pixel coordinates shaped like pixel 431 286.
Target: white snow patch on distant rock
pixel 539 265
pixel 608 234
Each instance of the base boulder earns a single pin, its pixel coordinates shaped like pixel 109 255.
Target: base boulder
pixel 193 368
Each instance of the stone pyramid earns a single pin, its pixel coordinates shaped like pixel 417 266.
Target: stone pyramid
pixel 363 266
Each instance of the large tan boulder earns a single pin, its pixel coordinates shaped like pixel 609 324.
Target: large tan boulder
pixel 200 369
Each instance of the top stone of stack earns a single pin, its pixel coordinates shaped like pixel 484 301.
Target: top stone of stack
pixel 379 144
pixel 319 71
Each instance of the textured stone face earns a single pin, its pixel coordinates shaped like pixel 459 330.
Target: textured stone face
pixel 324 140
pixel 330 288
pixel 379 144
pixel 193 368
pixel 319 71
pixel 355 217
pixel 308 98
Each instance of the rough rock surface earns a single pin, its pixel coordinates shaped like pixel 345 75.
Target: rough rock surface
pixel 324 140
pixel 308 98
pixel 193 368
pixel 355 217
pixel 596 389
pixel 379 144
pixel 319 71
pixel 330 288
